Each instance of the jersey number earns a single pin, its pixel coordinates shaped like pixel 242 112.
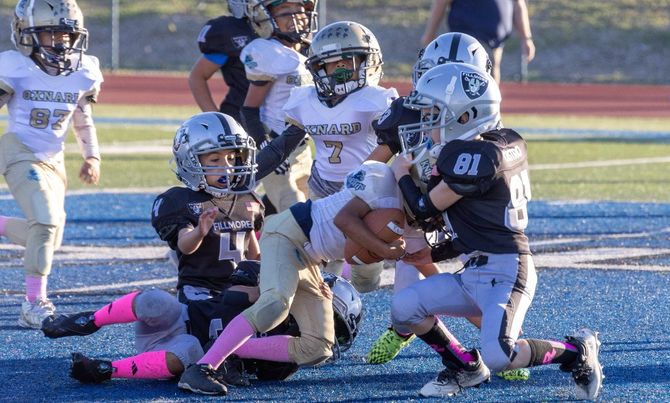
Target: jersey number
pixel 516 213
pixel 39 118
pixel 231 247
pixel 337 149
pixel 467 164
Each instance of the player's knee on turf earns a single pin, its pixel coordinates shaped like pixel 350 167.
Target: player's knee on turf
pixel 157 308
pixel 366 277
pixel 497 353
pixel 405 312
pixel 268 311
pixel 311 350
pixel 40 247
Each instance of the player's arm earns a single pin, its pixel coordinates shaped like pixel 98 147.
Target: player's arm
pixel 350 221
pixel 190 238
pixel 201 72
pixel 381 153
pixel 87 137
pixel 278 150
pixel 253 251
pixel 251 113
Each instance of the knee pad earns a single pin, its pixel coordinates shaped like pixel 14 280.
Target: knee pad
pixel 40 247
pixel 157 309
pixel 497 354
pixel 187 348
pixel 268 311
pixel 366 277
pixel 405 308
pixel 311 350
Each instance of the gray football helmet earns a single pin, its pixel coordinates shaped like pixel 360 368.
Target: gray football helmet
pixel 337 41
pixel 35 17
pixel 460 100
pixel 452 47
pixel 213 131
pixel 265 26
pixel 347 308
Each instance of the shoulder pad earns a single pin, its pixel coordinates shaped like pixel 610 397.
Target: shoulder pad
pixel 468 167
pixel 372 180
pixel 299 96
pixel 13 64
pixel 168 214
pixel 225 35
pixel 396 115
pixel 91 66
pixel 265 60
pixel 372 99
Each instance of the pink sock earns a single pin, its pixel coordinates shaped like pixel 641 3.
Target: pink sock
pixel 272 348
pixel 346 270
pixel 237 332
pixel 119 311
pixel 36 288
pixel 149 365
pixel 3 223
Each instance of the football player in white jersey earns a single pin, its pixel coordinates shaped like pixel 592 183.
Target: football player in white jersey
pixel 47 83
pixel 293 245
pixel 274 65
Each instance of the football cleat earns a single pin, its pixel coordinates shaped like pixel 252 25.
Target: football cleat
pixel 586 369
pixel 202 378
pixel 73 324
pixel 451 381
pixel 231 372
pixel 86 370
pixel 387 346
pixel 33 313
pixel 517 374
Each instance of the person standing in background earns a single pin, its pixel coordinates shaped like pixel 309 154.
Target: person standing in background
pixel 490 21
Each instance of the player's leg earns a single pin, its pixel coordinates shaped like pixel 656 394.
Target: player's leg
pixel 414 309
pixel 39 190
pixel 15 229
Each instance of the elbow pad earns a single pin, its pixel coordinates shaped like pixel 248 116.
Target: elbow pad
pixel 251 120
pixel 418 203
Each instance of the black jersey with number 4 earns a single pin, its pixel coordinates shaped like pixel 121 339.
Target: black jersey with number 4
pixel 492 176
pixel 225 37
pixel 222 248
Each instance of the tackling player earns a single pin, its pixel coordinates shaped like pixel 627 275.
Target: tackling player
pixel 47 83
pixel 220 41
pixel 480 187
pixel 293 245
pixel 274 65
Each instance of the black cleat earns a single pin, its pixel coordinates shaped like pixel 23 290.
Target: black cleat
pixel 72 324
pixel 86 370
pixel 202 378
pixel 231 372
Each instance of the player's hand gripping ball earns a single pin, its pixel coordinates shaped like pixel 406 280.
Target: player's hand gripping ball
pixel 386 223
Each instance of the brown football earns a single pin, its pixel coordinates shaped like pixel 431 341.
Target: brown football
pixel 386 223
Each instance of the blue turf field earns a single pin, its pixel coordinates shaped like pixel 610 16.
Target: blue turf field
pixel 601 265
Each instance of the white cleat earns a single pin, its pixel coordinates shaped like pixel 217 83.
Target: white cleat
pixel 33 313
pixel 586 371
pixel 451 382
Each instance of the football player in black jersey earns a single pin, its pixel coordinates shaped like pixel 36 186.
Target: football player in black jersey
pixel 220 41
pixel 480 188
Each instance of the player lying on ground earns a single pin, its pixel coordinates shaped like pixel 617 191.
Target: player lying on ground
pixel 293 245
pixel 170 335
pixel 480 187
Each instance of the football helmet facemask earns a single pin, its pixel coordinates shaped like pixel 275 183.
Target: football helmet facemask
pixel 460 100
pixel 52 33
pixel 338 41
pixel 265 25
pixel 347 309
pixel 208 132
pixel 452 47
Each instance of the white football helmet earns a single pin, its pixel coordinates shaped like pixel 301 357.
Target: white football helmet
pixel 213 131
pixel 452 47
pixel 35 18
pixel 347 308
pixel 337 41
pixel 265 26
pixel 237 8
pixel 460 100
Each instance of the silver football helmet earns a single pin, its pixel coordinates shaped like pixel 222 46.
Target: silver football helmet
pixel 60 25
pixel 452 47
pixel 344 40
pixel 208 132
pixel 237 8
pixel 460 100
pixel 347 308
pixel 265 25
